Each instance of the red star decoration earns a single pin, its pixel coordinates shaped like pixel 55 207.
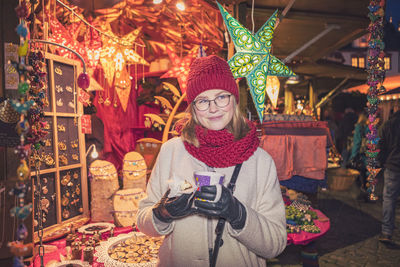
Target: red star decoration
pixel 180 68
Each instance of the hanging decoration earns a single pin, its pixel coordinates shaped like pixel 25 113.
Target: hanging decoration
pixel 180 68
pixel 376 76
pixel 66 38
pixel 93 54
pixel 273 89
pixel 91 41
pixel 253 59
pixel 31 128
pixel 115 57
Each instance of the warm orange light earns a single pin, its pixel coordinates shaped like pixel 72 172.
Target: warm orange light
pixel 180 6
pixel 273 89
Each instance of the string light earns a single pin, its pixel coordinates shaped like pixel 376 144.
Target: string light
pixel 180 6
pixel 157 2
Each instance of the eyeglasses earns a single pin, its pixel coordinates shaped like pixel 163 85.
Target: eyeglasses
pixel 220 101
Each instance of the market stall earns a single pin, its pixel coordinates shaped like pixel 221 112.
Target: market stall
pixel 289 142
pixel 129 63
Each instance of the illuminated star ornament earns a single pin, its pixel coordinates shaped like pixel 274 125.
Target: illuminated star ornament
pixel 180 68
pixel 114 57
pixel 253 59
pixel 65 37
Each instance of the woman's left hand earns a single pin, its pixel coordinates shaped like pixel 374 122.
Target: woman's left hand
pixel 227 206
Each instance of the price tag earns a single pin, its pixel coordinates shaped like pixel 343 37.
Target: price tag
pixel 86 123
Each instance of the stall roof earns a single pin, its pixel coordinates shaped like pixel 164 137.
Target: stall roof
pixel 307 19
pixel 337 22
pixel 391 94
pixel 325 68
pixel 310 30
pixel 389 83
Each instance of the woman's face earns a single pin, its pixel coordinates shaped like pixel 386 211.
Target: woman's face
pixel 214 117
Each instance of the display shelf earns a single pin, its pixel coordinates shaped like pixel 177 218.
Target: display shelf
pixel 63 154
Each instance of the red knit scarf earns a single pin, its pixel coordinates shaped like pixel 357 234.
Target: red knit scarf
pixel 219 149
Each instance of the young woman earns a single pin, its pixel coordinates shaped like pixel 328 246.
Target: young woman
pixel 216 138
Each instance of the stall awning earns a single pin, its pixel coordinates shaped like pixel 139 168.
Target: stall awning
pixel 390 83
pixel 307 19
pixel 391 94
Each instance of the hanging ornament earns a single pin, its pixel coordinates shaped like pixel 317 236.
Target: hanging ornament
pixel 83 80
pixel 23 87
pixel 19 190
pixel 122 87
pixel 22 232
pixel 22 10
pixel 272 89
pixel 376 76
pixel 114 56
pixel 63 36
pixel 180 67
pixel 23 50
pixel 92 43
pixel 253 59
pixel 22 30
pixel 23 171
pixel 21 212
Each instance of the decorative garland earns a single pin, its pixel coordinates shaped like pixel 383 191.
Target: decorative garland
pixel 376 76
pixel 30 128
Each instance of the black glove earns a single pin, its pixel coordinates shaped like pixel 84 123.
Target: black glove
pixel 227 207
pixel 169 209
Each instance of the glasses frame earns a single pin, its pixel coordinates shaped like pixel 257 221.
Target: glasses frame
pixel 212 100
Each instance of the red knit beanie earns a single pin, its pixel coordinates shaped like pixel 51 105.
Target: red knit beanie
pixel 207 73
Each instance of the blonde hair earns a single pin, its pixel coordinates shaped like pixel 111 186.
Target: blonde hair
pixel 237 126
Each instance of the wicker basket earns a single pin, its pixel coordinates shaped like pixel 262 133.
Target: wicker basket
pixel 340 179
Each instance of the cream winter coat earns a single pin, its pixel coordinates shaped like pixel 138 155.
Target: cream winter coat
pixel 186 239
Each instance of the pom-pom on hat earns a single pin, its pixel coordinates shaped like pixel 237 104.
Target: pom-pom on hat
pixel 207 73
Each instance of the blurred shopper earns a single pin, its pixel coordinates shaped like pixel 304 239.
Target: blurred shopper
pixel 389 157
pixel 333 127
pixel 346 127
pixel 357 159
pixel 216 138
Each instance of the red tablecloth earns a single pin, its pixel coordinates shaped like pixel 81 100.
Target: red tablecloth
pixel 297 155
pixel 61 244
pixel 303 238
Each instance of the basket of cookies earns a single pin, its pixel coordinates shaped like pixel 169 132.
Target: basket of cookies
pixel 133 249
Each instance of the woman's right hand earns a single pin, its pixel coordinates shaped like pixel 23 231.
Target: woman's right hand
pixel 169 209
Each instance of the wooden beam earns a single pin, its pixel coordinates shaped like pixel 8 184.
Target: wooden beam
pixel 317 17
pixel 340 43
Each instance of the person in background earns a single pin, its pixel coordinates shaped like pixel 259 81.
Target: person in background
pixel 389 157
pixel 333 128
pixel 215 138
pixel 346 127
pixel 357 159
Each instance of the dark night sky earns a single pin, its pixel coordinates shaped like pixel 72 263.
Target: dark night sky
pixel 393 10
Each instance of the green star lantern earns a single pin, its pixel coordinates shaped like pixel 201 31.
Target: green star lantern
pixel 253 59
